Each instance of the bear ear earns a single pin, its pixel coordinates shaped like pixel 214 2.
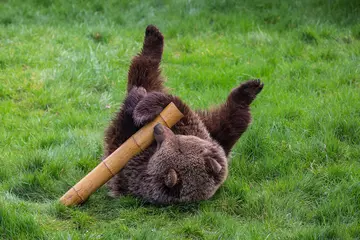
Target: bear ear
pixel 214 166
pixel 171 178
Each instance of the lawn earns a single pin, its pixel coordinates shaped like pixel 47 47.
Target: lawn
pixel 295 174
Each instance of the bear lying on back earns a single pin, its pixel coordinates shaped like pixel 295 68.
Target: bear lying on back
pixel 188 162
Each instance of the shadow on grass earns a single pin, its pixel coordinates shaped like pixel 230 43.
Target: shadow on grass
pixel 104 207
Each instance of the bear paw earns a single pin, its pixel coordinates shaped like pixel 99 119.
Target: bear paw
pixel 153 43
pixel 135 95
pixel 247 91
pixel 148 108
pixel 153 34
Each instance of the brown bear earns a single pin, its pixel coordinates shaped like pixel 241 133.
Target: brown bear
pixel 188 162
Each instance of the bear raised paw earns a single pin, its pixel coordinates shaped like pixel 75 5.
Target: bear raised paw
pixel 188 162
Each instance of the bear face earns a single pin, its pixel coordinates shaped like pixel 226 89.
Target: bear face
pixel 184 168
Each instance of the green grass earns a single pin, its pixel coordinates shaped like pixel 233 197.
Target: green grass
pixel 295 174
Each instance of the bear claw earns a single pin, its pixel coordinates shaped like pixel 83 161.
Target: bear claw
pixel 252 87
pixel 152 31
pixel 247 91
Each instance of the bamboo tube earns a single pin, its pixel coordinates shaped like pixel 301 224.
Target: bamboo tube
pixel 117 160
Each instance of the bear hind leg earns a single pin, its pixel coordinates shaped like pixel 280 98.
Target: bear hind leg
pixel 145 68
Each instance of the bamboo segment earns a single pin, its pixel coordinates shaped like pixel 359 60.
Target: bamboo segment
pixel 117 160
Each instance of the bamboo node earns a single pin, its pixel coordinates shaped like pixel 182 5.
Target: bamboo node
pixel 108 168
pixel 164 120
pixel 78 194
pixel 138 145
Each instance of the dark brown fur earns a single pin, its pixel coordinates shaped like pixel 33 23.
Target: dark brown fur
pixel 189 162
